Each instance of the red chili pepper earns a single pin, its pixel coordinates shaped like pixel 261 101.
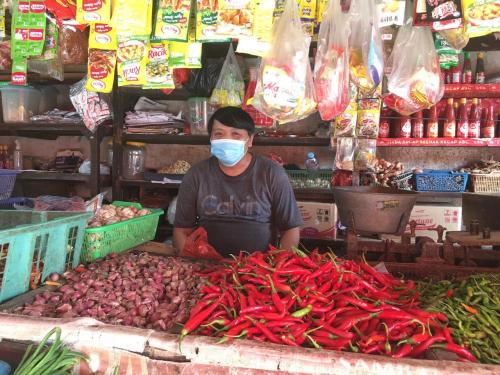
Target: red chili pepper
pixel 389 314
pixel 257 309
pixel 469 309
pixel 243 301
pixel 293 271
pixel 420 349
pixel 254 280
pixel 276 298
pixel 330 343
pixel 374 338
pixel 416 339
pixel 321 309
pixel 459 350
pixel 320 297
pixel 266 332
pixel 283 322
pixel 196 320
pixel 306 261
pixel 403 351
pixel 375 348
pixel 450 293
pixel 322 270
pixel 279 285
pixel 325 287
pixel 266 316
pixel 332 330
pixel 260 262
pixel 198 307
pixel 447 335
pixel 359 303
pixel 288 341
pixel 381 278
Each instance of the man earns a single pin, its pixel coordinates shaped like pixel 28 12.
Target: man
pixel 243 201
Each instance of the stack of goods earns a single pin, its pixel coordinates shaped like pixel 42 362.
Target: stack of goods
pixel 317 300
pixel 472 307
pixel 134 289
pixel 153 122
pixel 483 166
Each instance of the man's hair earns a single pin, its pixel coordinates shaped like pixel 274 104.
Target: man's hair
pixel 233 117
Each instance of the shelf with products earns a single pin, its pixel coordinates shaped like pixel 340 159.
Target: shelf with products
pixel 462 90
pixel 48 130
pixel 72 73
pixel 437 142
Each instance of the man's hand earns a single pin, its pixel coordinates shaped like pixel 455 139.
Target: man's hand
pixel 180 236
pixel 290 238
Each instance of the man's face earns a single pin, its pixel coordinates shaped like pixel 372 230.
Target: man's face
pixel 220 131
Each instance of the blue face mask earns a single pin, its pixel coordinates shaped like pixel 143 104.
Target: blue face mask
pixel 228 151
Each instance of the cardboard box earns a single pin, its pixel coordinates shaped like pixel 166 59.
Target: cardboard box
pixel 320 220
pixel 430 216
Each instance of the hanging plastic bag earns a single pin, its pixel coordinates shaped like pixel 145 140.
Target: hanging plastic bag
pixel 197 246
pixel 230 88
pixel 415 82
pixel 331 73
pixel 366 61
pixel 285 90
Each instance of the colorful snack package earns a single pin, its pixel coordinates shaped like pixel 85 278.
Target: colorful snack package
pixel 365 155
pixel 259 43
pixel 368 118
pixel 101 70
pixel 131 59
pixel 344 157
pixel 207 16
pixel 172 20
pixel 92 107
pixel 19 76
pixel 185 54
pixel 482 17
pixel 158 73
pixel 307 12
pixel 2 21
pixel 138 16
pixel 92 11
pixel 445 15
pixel 103 36
pixel 321 6
pixel 37 25
pixel 345 123
pixel 235 18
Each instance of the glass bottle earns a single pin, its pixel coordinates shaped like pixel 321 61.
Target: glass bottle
pixel 417 126
pixel 467 69
pixel 488 127
pixel 463 121
pixel 475 119
pixel 450 124
pixel 432 124
pixel 480 76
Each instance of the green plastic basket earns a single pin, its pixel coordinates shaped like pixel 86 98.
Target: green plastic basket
pixel 34 244
pixel 118 237
pixel 304 179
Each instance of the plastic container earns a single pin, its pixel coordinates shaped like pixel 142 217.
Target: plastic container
pixel 485 182
pixel 34 244
pixel 118 237
pixel 134 160
pixel 312 179
pixel 7 182
pixel 48 100
pixel 20 103
pixel 13 203
pixel 312 164
pixel 199 114
pixel 441 180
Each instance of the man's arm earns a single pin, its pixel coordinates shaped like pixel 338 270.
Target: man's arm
pixel 290 238
pixel 180 236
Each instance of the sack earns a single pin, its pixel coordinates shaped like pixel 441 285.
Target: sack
pixel 331 76
pixel 366 61
pixel 415 82
pixel 285 90
pixel 197 246
pixel 230 88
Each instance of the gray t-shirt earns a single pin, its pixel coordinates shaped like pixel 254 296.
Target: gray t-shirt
pixel 244 212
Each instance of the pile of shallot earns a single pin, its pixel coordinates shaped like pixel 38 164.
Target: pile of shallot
pixel 110 214
pixel 133 289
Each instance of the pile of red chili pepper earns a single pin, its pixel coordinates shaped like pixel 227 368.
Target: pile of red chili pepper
pixel 317 300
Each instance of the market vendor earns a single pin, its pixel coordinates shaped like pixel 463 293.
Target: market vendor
pixel 244 201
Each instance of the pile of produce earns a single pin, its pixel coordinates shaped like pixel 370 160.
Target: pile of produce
pixel 386 172
pixel 483 166
pixel 133 289
pixel 320 301
pixel 473 308
pixel 110 214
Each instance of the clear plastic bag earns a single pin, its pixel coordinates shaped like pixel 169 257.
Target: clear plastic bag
pixel 230 88
pixel 285 90
pixel 331 74
pixel 415 82
pixel 344 157
pixel 366 61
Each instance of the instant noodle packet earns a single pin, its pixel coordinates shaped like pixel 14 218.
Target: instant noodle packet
pixel 482 17
pixel 101 70
pixel 368 117
pixel 172 20
pixel 92 11
pixel 158 73
pixel 131 58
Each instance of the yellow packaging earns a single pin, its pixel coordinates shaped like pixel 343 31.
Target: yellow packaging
pixel 131 59
pixel 307 13
pixel 172 19
pixel 185 55
pixel 259 43
pixel 92 11
pixel 103 36
pixel 207 16
pixel 320 10
pixel 482 17
pixel 135 18
pixel 101 70
pixel 158 72
pixel 345 124
pixel 2 21
pixel 235 18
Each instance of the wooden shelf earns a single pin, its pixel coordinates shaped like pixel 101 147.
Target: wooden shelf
pixel 144 183
pixel 53 176
pixel 204 140
pixel 72 73
pixel 462 90
pixel 437 142
pixel 50 131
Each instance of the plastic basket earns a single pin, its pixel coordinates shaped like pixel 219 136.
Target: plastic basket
pixel 13 203
pixel 437 180
pixel 118 237
pixel 485 182
pixel 7 182
pixel 305 179
pixel 34 244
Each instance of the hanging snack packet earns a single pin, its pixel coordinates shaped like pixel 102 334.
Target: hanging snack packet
pixel 207 16
pixel 131 57
pixel 92 107
pixel 368 118
pixel 101 70
pixel 19 76
pixel 103 36
pixel 158 72
pixel 345 123
pixel 285 90
pixel 185 55
pixel 259 42
pixel 365 155
pixel 366 62
pixel 415 82
pixel 92 11
pixel 136 16
pixel 482 17
pixel 344 156
pixel 230 88
pixel 235 18
pixel 2 21
pixel 172 20
pixel 331 74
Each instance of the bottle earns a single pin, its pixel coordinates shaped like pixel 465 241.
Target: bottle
pixel 475 119
pixel 467 69
pixel 17 156
pixel 455 108
pixel 403 127
pixel 480 76
pixel 311 162
pixel 432 124
pixel 455 74
pixel 417 127
pixel 450 125
pixel 463 120
pixel 384 128
pixel 488 127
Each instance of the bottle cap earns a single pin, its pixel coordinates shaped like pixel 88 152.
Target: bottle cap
pixel 310 155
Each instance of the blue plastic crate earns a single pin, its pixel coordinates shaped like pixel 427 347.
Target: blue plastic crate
pixel 441 180
pixel 13 203
pixel 34 244
pixel 7 182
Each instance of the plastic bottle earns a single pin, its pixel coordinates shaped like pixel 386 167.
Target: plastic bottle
pixel 17 156
pixel 463 120
pixel 311 162
pixel 450 124
pixel 475 119
pixel 432 124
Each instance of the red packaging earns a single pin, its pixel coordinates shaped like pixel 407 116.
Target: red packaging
pixel 417 127
pixel 403 127
pixel 475 119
